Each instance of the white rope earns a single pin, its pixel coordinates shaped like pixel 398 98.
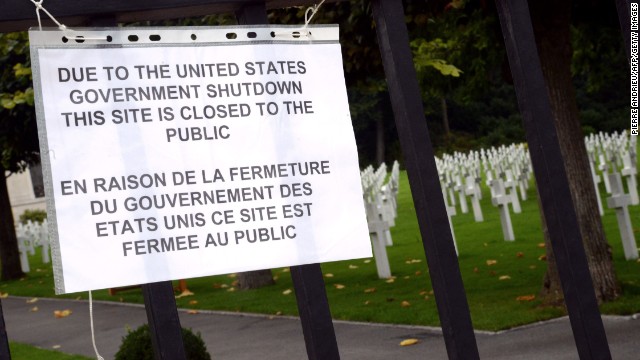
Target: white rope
pixel 93 338
pixel 314 10
pixel 62 27
pixel 307 18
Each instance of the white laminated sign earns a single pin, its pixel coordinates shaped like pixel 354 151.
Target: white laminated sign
pixel 186 152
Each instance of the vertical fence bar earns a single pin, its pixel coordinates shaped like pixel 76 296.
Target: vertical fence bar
pixel 164 323
pixel 311 296
pixel 551 177
pixel 315 314
pixel 5 353
pixel 252 13
pixel 421 168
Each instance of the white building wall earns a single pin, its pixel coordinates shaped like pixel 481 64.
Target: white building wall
pixel 21 194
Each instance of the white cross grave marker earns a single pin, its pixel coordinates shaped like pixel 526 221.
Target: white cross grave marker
pixel 511 184
pixel 471 190
pixel 502 200
pixel 629 172
pixel 620 202
pixel 604 167
pixel 461 195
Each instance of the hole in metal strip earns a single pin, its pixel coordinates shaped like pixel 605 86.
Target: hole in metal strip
pixel 232 36
pixel 252 35
pixel 296 34
pixel 154 37
pixel 193 36
pixel 79 39
pixel 109 38
pixel 64 39
pixel 133 38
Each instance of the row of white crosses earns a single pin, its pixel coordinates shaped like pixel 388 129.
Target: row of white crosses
pixel 616 156
pixel 506 170
pixel 30 236
pixel 380 201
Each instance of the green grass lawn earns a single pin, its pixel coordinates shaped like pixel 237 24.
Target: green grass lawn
pixel 355 292
pixel 28 352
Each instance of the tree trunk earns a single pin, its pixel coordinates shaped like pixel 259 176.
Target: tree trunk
pixel 445 116
pixel 380 150
pixel 9 254
pixel 551 21
pixel 255 279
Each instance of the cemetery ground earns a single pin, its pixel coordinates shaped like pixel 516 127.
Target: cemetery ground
pixel 502 279
pixel 23 351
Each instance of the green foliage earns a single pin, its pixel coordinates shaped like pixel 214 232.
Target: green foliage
pixel 136 345
pixel 18 132
pixel 33 215
pixel 426 55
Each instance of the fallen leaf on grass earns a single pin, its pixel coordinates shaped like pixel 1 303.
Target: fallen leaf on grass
pixel 423 293
pixel 519 254
pixel 526 298
pixel 61 313
pixel 233 276
pixel 426 298
pixel 34 309
pixel 390 280
pixel 193 302
pixel 370 290
pixel 224 286
pixel 192 312
pixel 3 295
pixel 541 245
pixel 407 277
pixel 405 304
pixel 542 257
pixel 367 302
pixel 231 289
pixel 338 286
pixel 275 277
pixel 328 275
pixel 475 270
pixel 32 300
pixel 418 273
pixel 184 293
pixel 285 270
pixel 367 261
pixel 532 267
pixel 491 262
pixel 504 277
pixel 408 342
pixel 286 292
pixel 353 266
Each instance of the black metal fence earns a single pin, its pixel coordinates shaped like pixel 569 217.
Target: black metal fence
pixel 419 161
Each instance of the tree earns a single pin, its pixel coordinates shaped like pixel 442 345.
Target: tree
pixel 18 138
pixel 552 24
